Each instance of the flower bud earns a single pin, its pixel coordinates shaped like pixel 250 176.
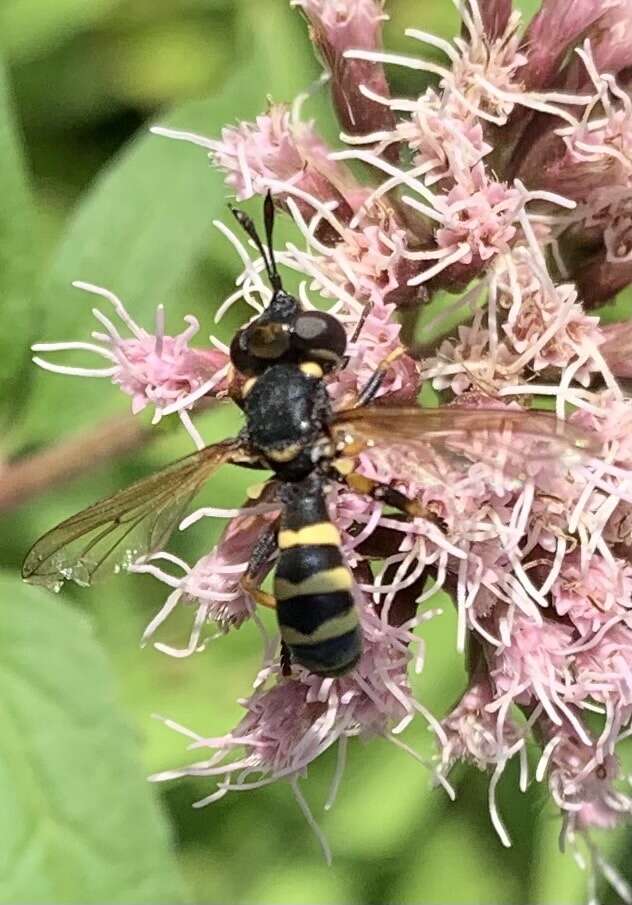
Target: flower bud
pixel 598 279
pixel 340 26
pixel 554 30
pixel 495 15
pixel 610 40
pixel 617 349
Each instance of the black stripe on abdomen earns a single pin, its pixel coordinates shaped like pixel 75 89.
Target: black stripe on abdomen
pixel 306 614
pixel 315 608
pixel 298 563
pixel 332 657
pixel 312 587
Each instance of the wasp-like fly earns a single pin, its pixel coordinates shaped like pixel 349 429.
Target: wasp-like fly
pixel 281 360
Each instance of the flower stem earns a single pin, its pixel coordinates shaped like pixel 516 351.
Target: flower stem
pixel 52 466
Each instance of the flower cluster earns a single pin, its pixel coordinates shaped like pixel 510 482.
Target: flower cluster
pixel 154 369
pixel 508 181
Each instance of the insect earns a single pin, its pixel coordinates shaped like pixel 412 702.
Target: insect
pixel 281 360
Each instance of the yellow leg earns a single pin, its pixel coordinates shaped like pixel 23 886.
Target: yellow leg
pixel 261 598
pixel 369 390
pixel 389 495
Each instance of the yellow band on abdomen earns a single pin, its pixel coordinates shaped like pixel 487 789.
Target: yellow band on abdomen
pixel 325 582
pixel 332 628
pixel 320 534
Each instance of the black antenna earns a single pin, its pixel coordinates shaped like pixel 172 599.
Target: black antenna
pixel 268 257
pixel 268 220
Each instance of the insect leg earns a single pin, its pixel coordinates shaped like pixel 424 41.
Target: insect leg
pixel 384 493
pixel 285 660
pixel 369 390
pixel 263 549
pixel 358 330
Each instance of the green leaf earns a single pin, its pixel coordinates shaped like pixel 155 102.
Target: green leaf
pixel 301 884
pixel 351 826
pixel 557 876
pixel 456 862
pixel 28 26
pixel 18 255
pixel 79 821
pixel 144 226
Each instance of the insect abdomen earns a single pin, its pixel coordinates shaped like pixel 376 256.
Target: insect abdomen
pixel 312 586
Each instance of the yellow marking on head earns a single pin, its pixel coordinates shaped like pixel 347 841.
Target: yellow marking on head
pixel 343 465
pixel 320 534
pixel 332 628
pixel 326 355
pixel 248 385
pixel 255 490
pixel 285 455
pixel 324 582
pixel 311 369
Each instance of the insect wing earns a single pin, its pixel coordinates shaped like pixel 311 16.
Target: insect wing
pixel 115 531
pixel 426 443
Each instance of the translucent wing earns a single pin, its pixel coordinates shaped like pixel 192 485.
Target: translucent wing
pixel 116 531
pixel 426 443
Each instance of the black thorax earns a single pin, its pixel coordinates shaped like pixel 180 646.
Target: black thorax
pixel 287 412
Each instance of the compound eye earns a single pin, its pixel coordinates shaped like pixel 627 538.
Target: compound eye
pixel 322 335
pixel 268 341
pixel 242 359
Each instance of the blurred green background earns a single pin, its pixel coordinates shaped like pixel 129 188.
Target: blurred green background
pixel 86 193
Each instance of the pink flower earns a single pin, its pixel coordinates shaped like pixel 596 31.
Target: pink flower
pixel 379 337
pixel 576 335
pixel 475 733
pixel 611 420
pixel 213 586
pixel 291 722
pixel 603 663
pixel 532 663
pixel 508 184
pixel 479 221
pixel 281 153
pixel 581 780
pixel 591 595
pixel 154 369
pixel 485 71
pixel 460 361
pixel 444 142
pixel 480 734
pixel 367 262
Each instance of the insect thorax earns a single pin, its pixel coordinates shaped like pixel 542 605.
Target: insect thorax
pixel 287 411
